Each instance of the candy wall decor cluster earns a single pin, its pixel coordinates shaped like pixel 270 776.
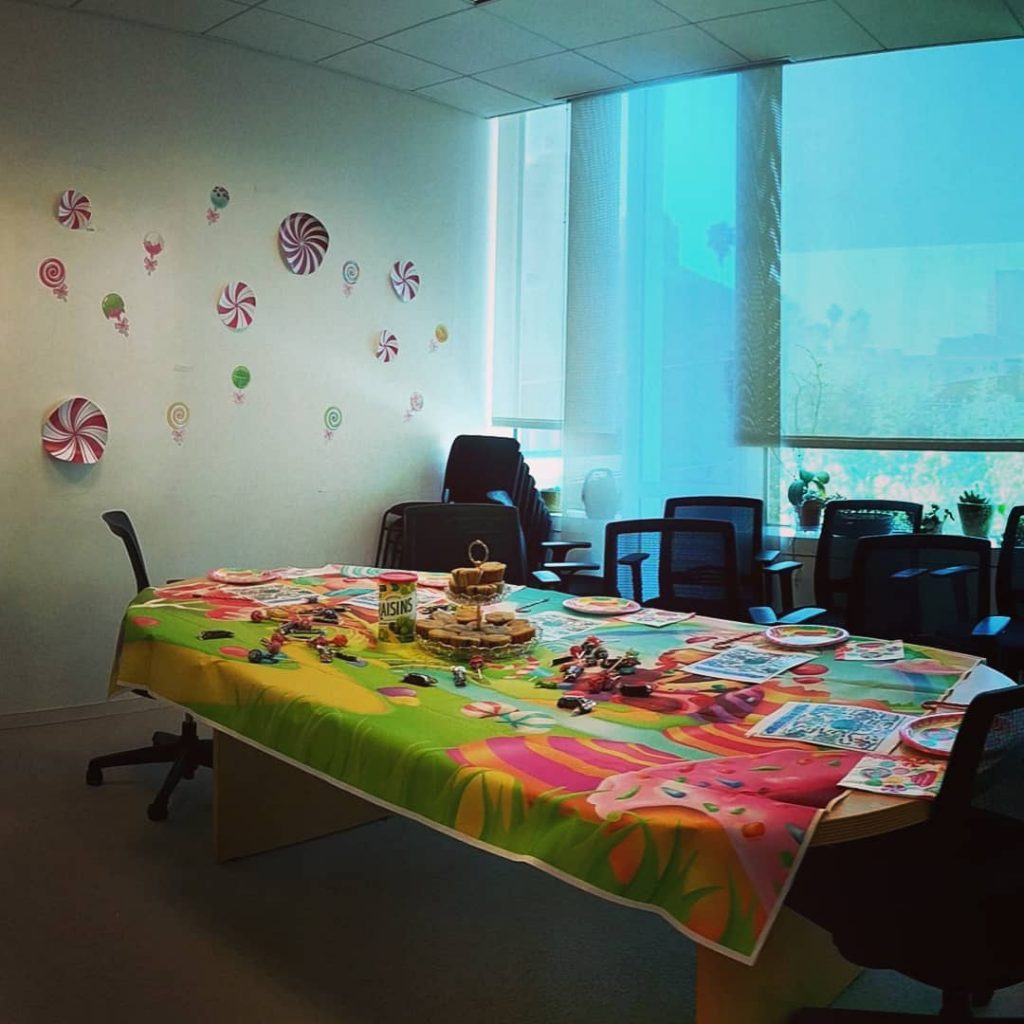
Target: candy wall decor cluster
pixel 76 430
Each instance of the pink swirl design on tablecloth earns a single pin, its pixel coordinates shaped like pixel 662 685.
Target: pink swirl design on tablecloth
pixel 74 209
pixel 236 306
pixel 304 241
pixel 76 431
pixel 387 347
pixel 405 280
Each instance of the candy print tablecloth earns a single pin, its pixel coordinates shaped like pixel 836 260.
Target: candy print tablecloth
pixel 662 802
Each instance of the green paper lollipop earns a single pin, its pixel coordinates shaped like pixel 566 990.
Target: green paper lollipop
pixel 240 377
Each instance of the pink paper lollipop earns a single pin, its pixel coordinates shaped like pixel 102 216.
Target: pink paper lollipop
pixel 303 240
pixel 52 275
pixel 76 431
pixel 74 209
pixel 237 306
pixel 405 280
pixel 387 346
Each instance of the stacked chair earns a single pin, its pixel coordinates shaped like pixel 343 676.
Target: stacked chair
pixel 1008 655
pixel 490 470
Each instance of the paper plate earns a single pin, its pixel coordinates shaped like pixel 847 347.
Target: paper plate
pixel 933 734
pixel 601 605
pixel 240 577
pixel 433 579
pixel 801 637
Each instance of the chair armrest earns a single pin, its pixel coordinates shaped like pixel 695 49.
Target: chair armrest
pixel 908 574
pixel 500 498
pixel 782 568
pixel 634 558
pixel 766 556
pixel 955 570
pixel 992 625
pixel 544 580
pixel 558 550
pixel 568 568
pixel 798 615
pixel 783 572
pixel 762 615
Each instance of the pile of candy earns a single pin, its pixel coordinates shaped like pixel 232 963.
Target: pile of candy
pixel 588 668
pixel 301 627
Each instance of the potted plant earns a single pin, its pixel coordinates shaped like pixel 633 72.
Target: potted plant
pixel 807 495
pixel 975 514
pixel 932 521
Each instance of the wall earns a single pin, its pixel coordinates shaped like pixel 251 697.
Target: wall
pixel 145 123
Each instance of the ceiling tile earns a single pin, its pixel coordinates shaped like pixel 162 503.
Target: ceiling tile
pixel 471 41
pixel 575 23
pixel 275 33
pixel 927 22
pixel 679 51
pixel 387 67
pixel 366 18
pixel 475 97
pixel 803 32
pixel 547 79
pixel 183 15
pixel 700 10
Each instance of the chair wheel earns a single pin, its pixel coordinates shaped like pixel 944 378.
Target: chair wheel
pixel 156 812
pixel 93 776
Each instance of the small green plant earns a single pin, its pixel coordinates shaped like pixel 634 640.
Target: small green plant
pixel 808 486
pixel 934 519
pixel 976 512
pixel 972 497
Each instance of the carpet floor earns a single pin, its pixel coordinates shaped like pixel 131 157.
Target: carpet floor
pixel 108 917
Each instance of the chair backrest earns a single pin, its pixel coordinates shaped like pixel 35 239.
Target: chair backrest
pixel 843 524
pixel 920 587
pixel 1010 571
pixel 986 766
pixel 436 537
pixel 121 526
pixel 478 464
pixel 684 564
pixel 747 518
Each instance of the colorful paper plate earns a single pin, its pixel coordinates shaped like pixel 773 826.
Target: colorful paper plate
pixel 802 637
pixel 601 605
pixel 933 734
pixel 240 577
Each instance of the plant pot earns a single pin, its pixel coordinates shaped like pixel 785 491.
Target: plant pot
pixel 810 513
pixel 931 528
pixel 975 520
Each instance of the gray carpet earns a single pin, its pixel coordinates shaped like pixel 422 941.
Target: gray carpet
pixel 107 917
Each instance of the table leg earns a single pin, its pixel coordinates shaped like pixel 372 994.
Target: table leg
pixel 798 966
pixel 261 803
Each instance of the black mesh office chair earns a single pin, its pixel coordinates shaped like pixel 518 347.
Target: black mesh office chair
pixel 678 564
pixel 436 537
pixel 1009 653
pixel 940 902
pixel 184 751
pixel 844 523
pixel 758 567
pixel 925 588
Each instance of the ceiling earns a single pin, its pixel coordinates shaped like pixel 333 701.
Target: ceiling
pixel 502 56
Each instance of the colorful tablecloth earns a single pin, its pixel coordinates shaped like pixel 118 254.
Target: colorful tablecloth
pixel 663 801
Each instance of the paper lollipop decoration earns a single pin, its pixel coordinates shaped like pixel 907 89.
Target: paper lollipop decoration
pixel 349 274
pixel 113 309
pixel 387 346
pixel 51 275
pixel 332 420
pixel 236 306
pixel 439 338
pixel 415 405
pixel 405 280
pixel 74 209
pixel 76 431
pixel 177 417
pixel 219 198
pixel 153 243
pixel 240 377
pixel 303 240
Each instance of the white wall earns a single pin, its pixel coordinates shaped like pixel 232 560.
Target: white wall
pixel 145 123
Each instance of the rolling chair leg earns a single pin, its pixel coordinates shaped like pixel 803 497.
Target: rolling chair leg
pixel 141 755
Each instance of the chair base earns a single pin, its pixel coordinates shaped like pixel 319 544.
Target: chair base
pixel 185 753
pixel 956 1007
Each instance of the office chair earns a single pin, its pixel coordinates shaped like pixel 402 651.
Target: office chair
pixel 940 902
pixel 758 567
pixel 184 751
pixel 844 523
pixel 1008 656
pixel 436 537
pixel 925 588
pixel 677 564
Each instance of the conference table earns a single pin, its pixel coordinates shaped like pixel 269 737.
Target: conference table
pixel 666 801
